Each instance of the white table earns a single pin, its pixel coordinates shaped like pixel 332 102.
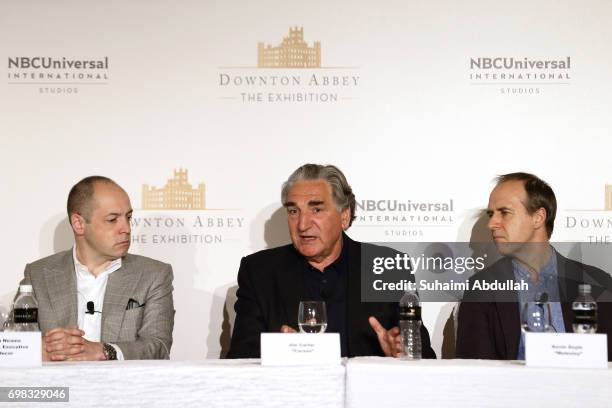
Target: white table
pixel 210 383
pixel 373 382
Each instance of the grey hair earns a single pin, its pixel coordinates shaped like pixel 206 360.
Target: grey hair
pixel 340 188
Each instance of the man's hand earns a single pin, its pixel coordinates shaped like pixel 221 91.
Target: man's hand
pixel 287 329
pixel 62 344
pixel 389 340
pixel 92 351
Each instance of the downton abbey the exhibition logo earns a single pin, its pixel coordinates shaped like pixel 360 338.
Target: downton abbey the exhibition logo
pixel 590 225
pixel 177 194
pixel 57 75
pixel 176 214
pixel 293 52
pixel 290 72
pixel 520 75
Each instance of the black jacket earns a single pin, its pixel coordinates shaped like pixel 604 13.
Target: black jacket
pixel 270 288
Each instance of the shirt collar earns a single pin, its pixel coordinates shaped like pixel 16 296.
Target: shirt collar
pixel 548 270
pixel 343 255
pixel 82 271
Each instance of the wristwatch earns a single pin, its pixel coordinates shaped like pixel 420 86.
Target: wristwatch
pixel 109 351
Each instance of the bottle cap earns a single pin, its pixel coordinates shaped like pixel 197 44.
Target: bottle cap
pixel 25 288
pixel 584 288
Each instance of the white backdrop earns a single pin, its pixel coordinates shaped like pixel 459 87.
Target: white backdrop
pixel 416 120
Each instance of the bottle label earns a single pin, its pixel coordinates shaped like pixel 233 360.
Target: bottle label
pixel 410 313
pixel 22 315
pixel 585 316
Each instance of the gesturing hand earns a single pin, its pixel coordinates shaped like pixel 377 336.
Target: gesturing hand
pixel 389 340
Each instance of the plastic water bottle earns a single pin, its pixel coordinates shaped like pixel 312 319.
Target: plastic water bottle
pixel 410 326
pixel 585 311
pixel 25 310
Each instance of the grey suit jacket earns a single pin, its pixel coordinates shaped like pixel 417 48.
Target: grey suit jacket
pixel 142 333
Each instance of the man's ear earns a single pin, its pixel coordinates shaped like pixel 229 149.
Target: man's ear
pixel 539 218
pixel 78 223
pixel 345 218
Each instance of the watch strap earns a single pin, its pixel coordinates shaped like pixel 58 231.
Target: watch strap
pixel 109 351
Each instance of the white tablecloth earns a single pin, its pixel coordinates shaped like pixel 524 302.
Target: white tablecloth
pixel 210 383
pixel 373 382
pixel 370 382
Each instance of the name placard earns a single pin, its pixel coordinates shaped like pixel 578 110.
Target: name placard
pixel 283 349
pixel 20 349
pixel 566 350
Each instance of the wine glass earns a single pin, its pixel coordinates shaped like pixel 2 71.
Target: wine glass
pixel 3 318
pixel 536 317
pixel 6 320
pixel 312 317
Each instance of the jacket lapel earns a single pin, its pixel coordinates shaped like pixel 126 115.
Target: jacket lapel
pixel 291 288
pixel 121 284
pixel 508 310
pixel 61 285
pixel 568 278
pixel 354 314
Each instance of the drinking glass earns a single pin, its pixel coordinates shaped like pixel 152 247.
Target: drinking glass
pixel 6 321
pixel 536 318
pixel 312 317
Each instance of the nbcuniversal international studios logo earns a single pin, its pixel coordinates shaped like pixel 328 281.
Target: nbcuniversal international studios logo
pixel 405 218
pixel 290 72
pixel 57 75
pixel 176 214
pixel 520 75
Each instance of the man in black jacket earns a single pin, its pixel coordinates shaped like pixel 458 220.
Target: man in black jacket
pixel 323 263
pixel 522 211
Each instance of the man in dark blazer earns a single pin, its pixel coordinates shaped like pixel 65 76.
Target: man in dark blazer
pixel 522 211
pixel 132 312
pixel 322 263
